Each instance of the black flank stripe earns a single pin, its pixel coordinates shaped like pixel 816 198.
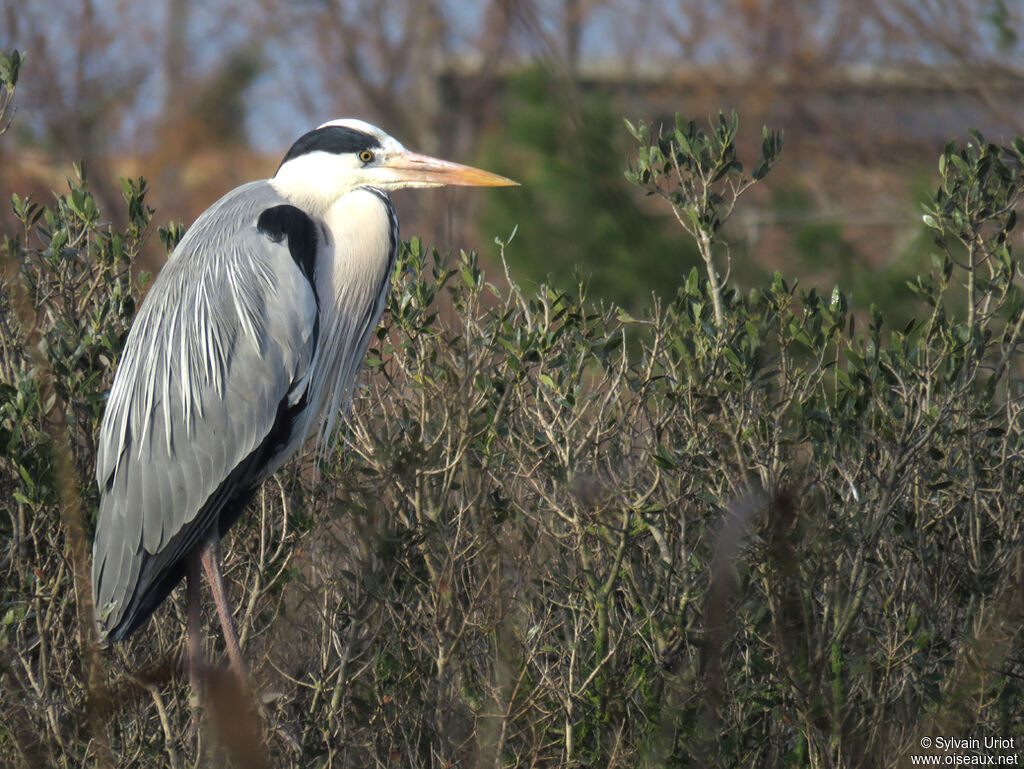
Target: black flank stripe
pixel 220 511
pixel 284 221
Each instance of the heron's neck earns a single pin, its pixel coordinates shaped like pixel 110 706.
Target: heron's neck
pixel 311 186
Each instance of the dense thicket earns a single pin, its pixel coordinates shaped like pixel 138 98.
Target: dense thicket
pixel 743 529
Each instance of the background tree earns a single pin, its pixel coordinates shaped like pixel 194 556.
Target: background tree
pixel 574 203
pixel 867 96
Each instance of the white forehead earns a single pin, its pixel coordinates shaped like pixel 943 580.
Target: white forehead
pixel 387 142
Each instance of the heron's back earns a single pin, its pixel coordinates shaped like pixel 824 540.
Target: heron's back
pixel 207 400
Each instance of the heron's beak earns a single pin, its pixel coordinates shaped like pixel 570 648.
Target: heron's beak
pixel 414 170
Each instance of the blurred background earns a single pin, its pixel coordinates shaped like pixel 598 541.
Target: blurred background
pixel 201 96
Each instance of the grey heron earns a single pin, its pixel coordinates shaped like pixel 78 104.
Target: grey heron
pixel 249 341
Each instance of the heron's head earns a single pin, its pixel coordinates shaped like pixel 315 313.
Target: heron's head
pixel 343 155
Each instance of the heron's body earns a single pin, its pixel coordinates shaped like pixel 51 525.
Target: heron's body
pixel 249 341
pixel 199 417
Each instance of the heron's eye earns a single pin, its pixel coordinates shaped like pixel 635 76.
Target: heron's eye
pixel 366 156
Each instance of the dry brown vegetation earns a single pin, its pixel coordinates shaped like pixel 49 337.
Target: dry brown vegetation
pixel 554 534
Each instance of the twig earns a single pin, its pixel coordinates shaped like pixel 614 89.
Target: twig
pixel 71 503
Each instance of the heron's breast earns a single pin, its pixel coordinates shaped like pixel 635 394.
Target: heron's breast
pixel 353 267
pixel 352 273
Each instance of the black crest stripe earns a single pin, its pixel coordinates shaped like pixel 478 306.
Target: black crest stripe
pixel 333 138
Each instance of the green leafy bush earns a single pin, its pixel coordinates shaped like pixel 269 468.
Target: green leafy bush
pixel 764 532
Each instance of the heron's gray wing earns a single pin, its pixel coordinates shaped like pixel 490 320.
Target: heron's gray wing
pixel 207 398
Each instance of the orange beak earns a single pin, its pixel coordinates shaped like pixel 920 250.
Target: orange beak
pixel 414 170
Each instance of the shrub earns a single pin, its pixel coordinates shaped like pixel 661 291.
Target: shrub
pixel 740 530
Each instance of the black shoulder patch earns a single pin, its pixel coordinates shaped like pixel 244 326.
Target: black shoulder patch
pixel 336 139
pixel 284 221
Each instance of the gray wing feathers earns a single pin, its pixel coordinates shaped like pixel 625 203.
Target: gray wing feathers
pixel 181 415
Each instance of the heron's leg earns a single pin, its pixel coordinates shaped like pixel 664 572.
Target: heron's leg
pixel 210 555
pixel 194 605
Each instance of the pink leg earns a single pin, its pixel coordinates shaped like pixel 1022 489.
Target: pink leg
pixel 195 661
pixel 210 556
